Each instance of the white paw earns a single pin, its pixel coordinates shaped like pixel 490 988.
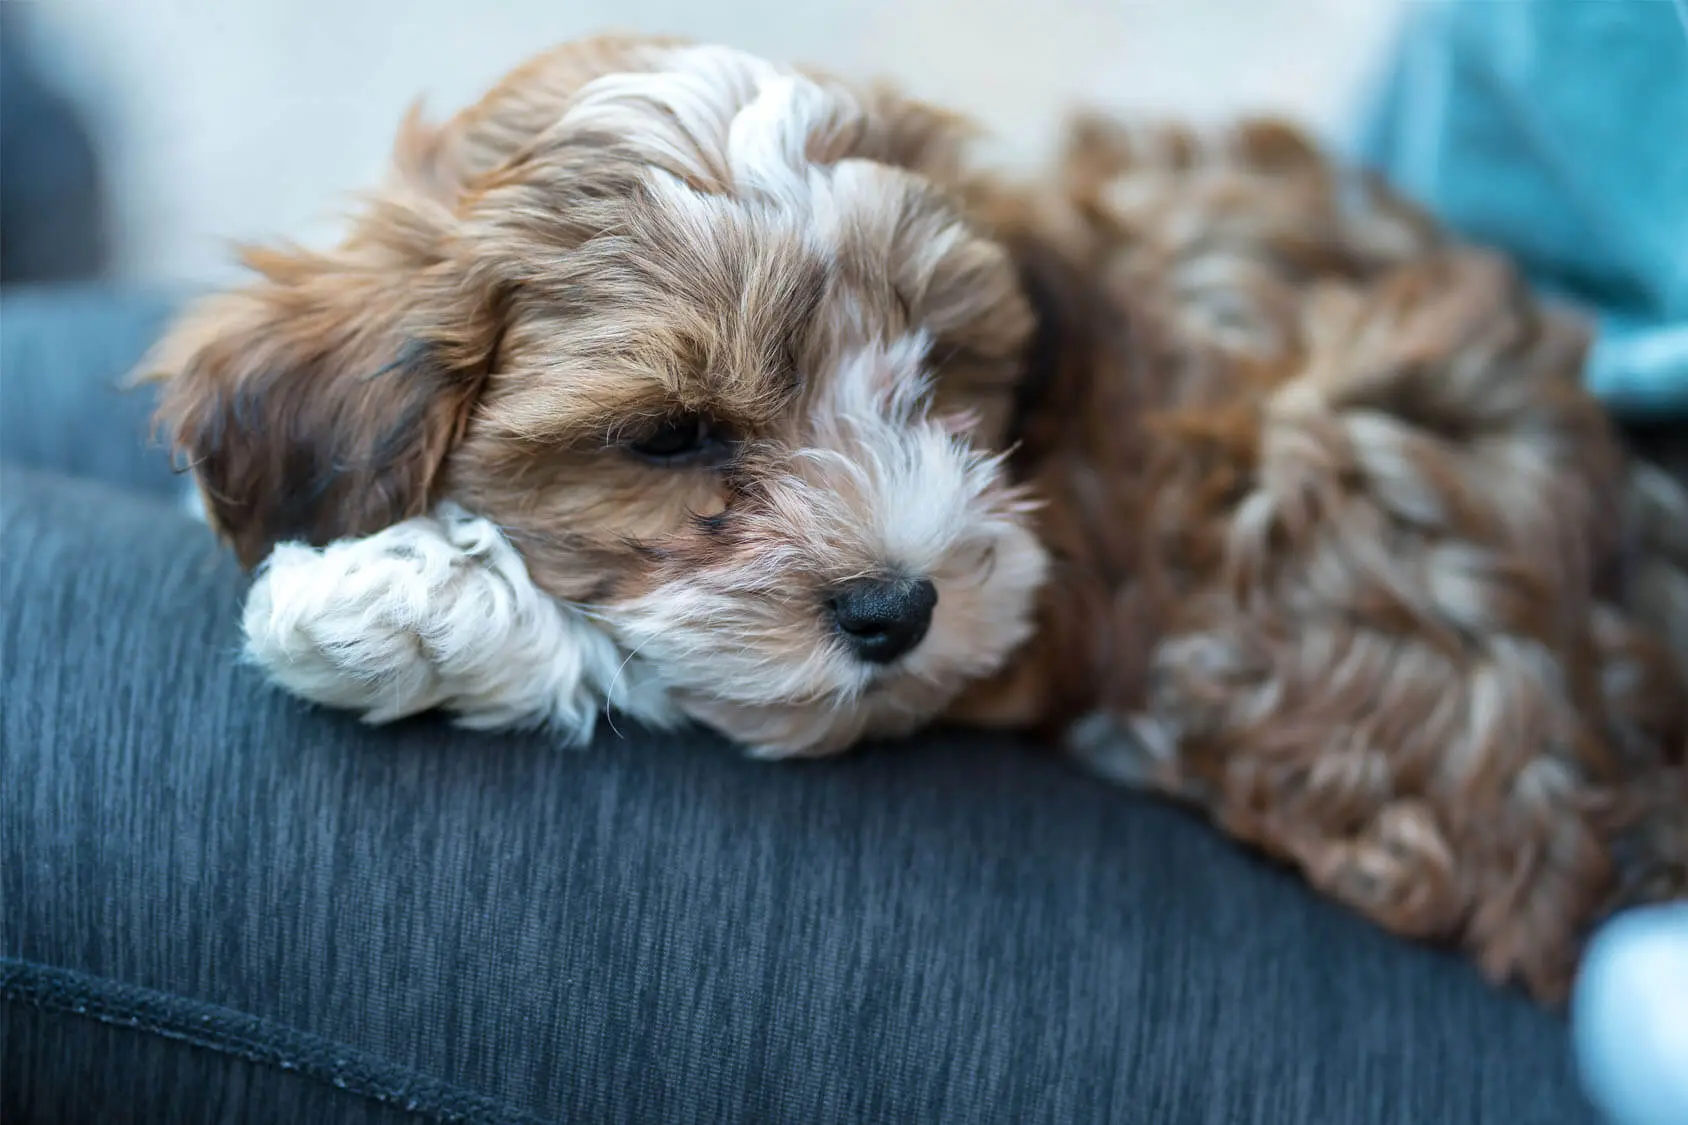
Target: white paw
pixel 435 612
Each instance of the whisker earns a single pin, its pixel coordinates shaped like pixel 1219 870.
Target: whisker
pixel 609 695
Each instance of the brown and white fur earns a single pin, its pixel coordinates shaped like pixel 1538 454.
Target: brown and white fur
pixel 1225 469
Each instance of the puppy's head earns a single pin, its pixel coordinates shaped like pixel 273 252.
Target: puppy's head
pixel 711 341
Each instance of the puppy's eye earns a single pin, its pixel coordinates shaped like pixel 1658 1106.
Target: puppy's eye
pixel 683 439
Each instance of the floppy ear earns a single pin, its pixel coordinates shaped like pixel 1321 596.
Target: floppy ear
pixel 320 401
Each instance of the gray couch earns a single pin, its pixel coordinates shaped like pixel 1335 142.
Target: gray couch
pixel 221 905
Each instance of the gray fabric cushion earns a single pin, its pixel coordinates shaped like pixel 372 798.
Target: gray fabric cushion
pixel 327 922
pixel 64 353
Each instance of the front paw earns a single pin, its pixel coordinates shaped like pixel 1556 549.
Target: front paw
pixel 439 613
pixel 357 624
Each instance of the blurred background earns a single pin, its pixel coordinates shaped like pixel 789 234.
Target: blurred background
pixel 141 136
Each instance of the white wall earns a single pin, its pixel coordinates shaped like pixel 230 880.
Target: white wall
pixel 244 119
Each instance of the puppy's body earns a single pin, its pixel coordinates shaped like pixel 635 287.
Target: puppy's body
pixel 1218 466
pixel 1385 606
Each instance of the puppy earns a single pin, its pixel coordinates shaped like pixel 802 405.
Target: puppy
pixel 710 352
pixel 669 380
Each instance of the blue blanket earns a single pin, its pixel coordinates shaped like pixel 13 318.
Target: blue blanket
pixel 1557 130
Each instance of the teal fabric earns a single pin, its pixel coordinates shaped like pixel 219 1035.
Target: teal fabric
pixel 1557 130
pixel 1631 1017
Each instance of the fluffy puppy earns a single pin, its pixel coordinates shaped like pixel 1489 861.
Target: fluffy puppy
pixel 670 380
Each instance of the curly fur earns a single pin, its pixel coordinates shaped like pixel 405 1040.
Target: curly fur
pixel 1398 588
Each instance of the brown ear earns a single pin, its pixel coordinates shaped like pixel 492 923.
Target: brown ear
pixel 320 402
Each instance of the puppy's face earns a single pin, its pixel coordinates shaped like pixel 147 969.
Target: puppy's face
pixel 713 344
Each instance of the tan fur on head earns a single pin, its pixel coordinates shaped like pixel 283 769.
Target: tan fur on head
pixel 650 378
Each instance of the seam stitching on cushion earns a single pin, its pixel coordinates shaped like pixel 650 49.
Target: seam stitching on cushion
pixel 249 1037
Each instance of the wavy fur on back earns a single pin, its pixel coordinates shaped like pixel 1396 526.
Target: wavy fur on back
pixel 1383 594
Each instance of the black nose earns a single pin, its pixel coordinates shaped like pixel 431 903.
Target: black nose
pixel 883 618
